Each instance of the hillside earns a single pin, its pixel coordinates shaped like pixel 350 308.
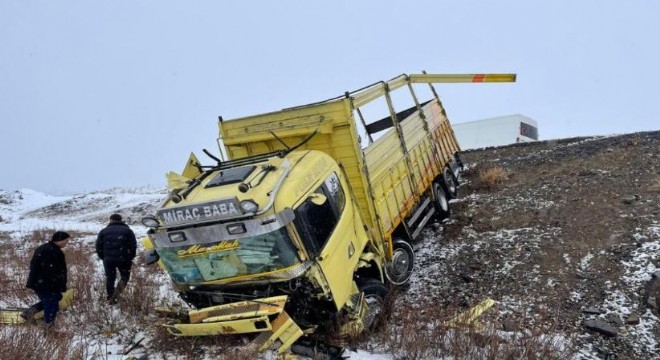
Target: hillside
pixel 568 241
pixel 563 235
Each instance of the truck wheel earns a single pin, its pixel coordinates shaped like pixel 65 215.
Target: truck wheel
pixel 441 201
pixel 374 295
pixel 451 183
pixel 401 267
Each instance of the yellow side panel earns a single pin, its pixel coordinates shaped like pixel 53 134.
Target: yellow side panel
pixel 396 182
pixel 429 143
pixel 242 326
pixel 239 310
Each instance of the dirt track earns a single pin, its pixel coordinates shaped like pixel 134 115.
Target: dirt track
pixel 571 236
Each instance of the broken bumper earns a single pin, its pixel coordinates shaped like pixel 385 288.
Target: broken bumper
pixel 266 316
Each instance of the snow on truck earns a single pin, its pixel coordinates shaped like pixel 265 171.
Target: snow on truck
pixel 301 230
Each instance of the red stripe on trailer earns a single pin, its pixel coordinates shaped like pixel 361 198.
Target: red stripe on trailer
pixel 479 78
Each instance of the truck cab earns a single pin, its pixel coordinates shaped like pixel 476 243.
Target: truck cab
pixel 268 226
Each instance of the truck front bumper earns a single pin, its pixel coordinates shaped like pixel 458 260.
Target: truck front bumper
pixel 266 316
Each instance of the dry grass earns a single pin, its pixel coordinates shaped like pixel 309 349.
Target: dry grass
pixel 491 177
pixel 421 332
pixel 655 185
pixel 90 326
pixel 228 347
pixel 485 177
pixel 89 317
pixel 33 342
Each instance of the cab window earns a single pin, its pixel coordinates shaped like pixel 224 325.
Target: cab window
pixel 316 222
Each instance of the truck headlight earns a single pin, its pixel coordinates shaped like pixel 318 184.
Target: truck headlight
pixel 177 236
pixel 150 222
pixel 235 229
pixel 249 206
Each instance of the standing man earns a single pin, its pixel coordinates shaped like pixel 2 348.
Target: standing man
pixel 116 246
pixel 48 277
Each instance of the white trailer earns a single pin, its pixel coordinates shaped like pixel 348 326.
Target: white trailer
pixel 497 131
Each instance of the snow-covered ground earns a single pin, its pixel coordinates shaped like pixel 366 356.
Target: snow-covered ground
pixel 24 212
pixel 520 247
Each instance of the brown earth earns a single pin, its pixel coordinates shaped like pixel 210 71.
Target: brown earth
pixel 567 244
pixel 570 235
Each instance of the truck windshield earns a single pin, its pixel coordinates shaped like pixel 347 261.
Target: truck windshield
pixel 229 258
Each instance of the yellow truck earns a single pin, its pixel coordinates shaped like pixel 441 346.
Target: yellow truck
pixel 306 220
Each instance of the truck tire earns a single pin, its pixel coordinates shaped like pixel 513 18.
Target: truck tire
pixel 374 295
pixel 441 201
pixel 451 183
pixel 400 269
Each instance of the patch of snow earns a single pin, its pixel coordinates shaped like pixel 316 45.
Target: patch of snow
pixel 584 262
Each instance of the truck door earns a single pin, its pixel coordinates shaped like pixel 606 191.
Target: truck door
pixel 328 231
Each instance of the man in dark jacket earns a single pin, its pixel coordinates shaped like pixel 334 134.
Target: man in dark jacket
pixel 116 246
pixel 48 277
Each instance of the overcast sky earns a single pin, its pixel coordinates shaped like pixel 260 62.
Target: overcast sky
pixel 98 94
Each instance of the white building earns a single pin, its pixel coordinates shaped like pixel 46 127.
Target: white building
pixel 497 131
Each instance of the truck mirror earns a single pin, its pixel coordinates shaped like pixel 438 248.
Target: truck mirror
pixel 318 199
pixel 151 256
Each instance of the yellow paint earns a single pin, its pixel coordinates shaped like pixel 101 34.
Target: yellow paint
pixel 382 185
pixel 198 249
pixel 13 316
pixel 241 326
pixel 469 317
pixel 233 311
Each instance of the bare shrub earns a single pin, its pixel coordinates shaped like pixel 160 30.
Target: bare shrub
pixel 422 331
pixel 490 178
pixel 197 347
pixel 413 332
pixel 141 295
pixel 655 185
pixel 238 354
pixel 484 177
pixel 36 237
pixel 13 274
pixel 33 342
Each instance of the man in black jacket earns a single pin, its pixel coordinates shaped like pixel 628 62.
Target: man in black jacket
pixel 48 277
pixel 116 246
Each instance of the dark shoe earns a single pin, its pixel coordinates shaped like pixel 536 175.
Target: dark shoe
pixel 112 300
pixel 28 314
pixel 120 289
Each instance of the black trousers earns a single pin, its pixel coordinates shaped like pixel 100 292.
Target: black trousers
pixel 49 302
pixel 111 268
